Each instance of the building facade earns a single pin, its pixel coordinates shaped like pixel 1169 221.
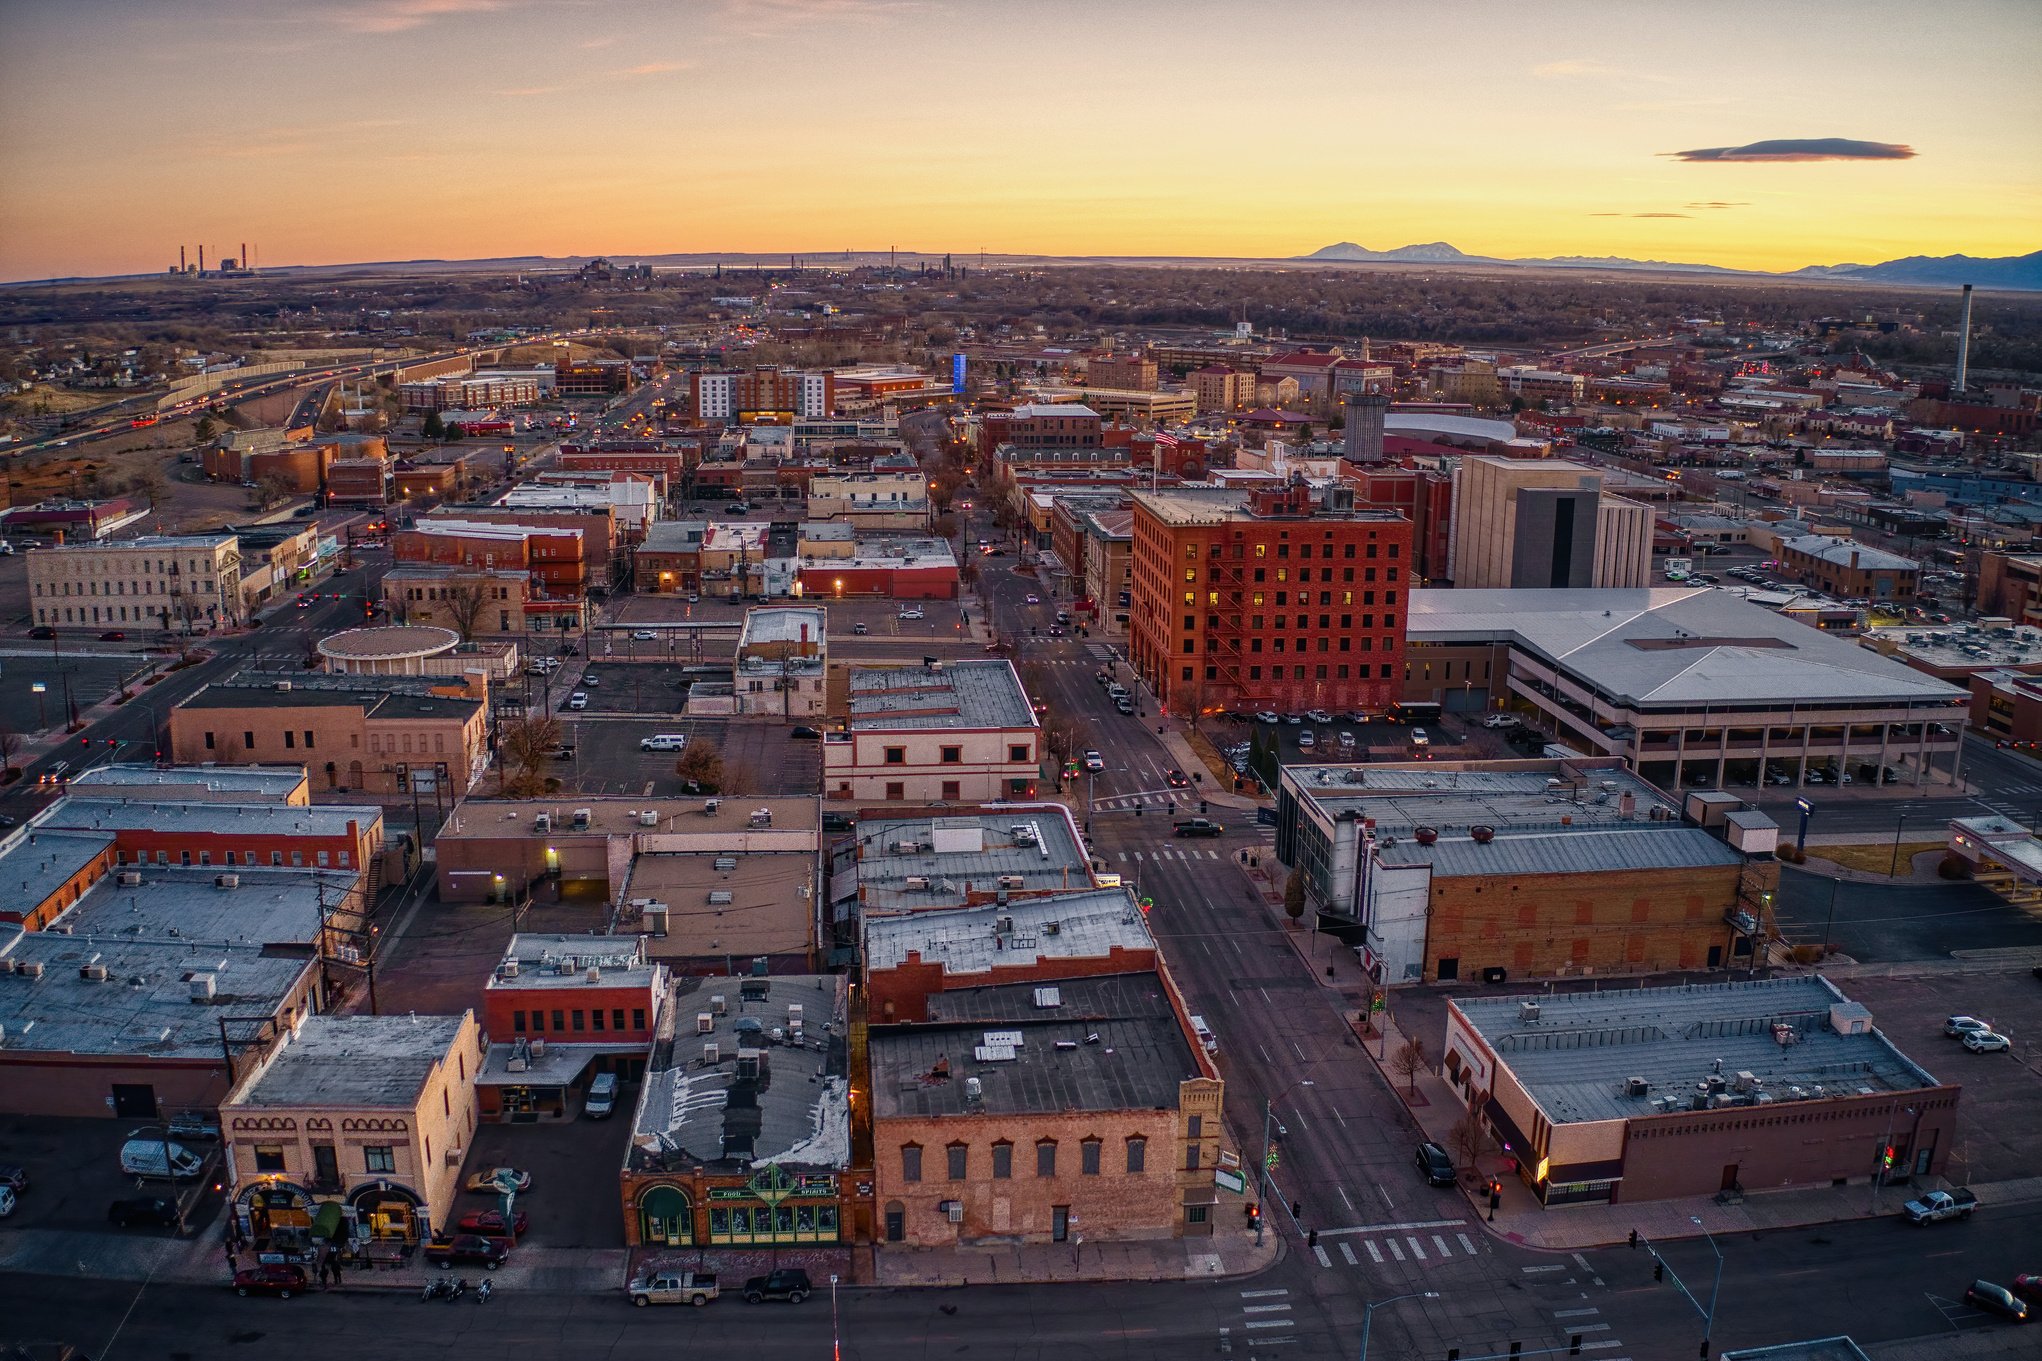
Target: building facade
pixel 955 732
pixel 175 583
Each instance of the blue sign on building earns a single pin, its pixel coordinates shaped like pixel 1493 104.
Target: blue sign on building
pixel 957 373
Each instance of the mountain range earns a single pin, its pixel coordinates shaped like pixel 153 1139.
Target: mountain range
pixel 2006 272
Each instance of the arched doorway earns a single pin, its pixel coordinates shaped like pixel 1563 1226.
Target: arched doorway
pixel 896 1221
pixel 665 1216
pixel 388 1210
pixel 275 1216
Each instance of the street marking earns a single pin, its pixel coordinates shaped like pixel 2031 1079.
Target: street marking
pixel 1347 1251
pixel 1608 1346
pixel 1529 1270
pixel 1270 1323
pixel 1263 1294
pixel 1472 1252
pixel 1375 1255
pixel 1417 1250
pixel 1324 1260
pixel 1392 1228
pixel 1576 1313
pixel 1440 1243
pixel 1395 1251
pixel 1588 1328
pixel 1266 1309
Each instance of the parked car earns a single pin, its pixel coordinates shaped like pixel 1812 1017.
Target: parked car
pixel 14 1177
pixel 911 614
pixel 788 1283
pixel 1987 1042
pixel 673 1287
pixel 803 730
pixel 194 1125
pixel 45 631
pixel 495 1179
pixel 1420 738
pixel 469 1249
pixel 151 1157
pixel 490 1223
pixel 1956 1027
pixel 1500 721
pixel 280 1279
pixel 1996 1299
pixel 578 700
pixel 151 1212
pixel 663 741
pixel 8 1200
pixel 1124 705
pixel 113 636
pixel 1317 716
pixel 2028 1286
pixel 1937 1205
pixel 1435 1165
pixel 1307 741
pixel 1267 716
pixel 591 681
pixel 860 628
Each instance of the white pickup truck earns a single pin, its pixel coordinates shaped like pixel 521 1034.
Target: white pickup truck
pixel 673 1287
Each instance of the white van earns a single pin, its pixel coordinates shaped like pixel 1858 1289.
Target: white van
pixel 602 1097
pixel 146 1158
pixel 1209 1041
pixel 664 741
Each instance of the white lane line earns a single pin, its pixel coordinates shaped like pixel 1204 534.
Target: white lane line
pixel 1531 1270
pixel 1347 1251
pixel 1263 1294
pixel 1466 1245
pixel 1608 1346
pixel 1270 1323
pixel 1417 1250
pixel 1324 1260
pixel 1588 1327
pixel 1392 1228
pixel 1271 1341
pixel 1395 1251
pixel 1374 1254
pixel 1440 1243
pixel 1576 1313
pixel 1270 1309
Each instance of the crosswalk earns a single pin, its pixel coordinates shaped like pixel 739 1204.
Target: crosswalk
pixel 1169 853
pixel 1386 1244
pixel 1264 1321
pixel 1579 1325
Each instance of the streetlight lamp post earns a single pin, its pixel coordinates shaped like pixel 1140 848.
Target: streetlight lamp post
pixel 1709 1321
pixel 1368 1313
pixel 1893 870
pixel 1801 837
pixel 1268 1148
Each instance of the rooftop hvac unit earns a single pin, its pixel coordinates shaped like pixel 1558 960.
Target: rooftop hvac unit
pixel 1003 926
pixel 543 823
pixel 751 1063
pixel 1746 1080
pixel 129 878
pixel 30 968
pixel 1528 1011
pixel 510 968
pixel 538 1048
pixel 516 1063
pixel 1052 928
pixel 726 862
pixel 794 1014
pixel 455 1154
pixel 594 974
pixel 1636 1087
pixel 1012 881
pixel 705 1024
pixel 906 847
pixel 712 1053
pixel 227 881
pixel 95 973
pixel 202 985
pixel 284 687
pixel 720 898
pixel 583 817
pixel 718 1005
pixel 709 807
pixel 916 883
pixel 974 1089
pixel 648 818
pixel 656 918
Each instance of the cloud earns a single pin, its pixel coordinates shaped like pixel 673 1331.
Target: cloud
pixel 1715 203
pixel 1800 149
pixel 399 16
pixel 1640 214
pixel 656 68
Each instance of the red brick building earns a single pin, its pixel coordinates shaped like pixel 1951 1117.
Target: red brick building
pixel 1269 600
pixel 1420 495
pixel 553 557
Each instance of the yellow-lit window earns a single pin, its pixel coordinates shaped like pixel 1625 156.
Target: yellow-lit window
pixel 1191 597
pixel 1212 597
pixel 1283 574
pixel 1190 552
pixel 1261 550
pixel 1347 597
pixel 1191 574
pixel 1258 598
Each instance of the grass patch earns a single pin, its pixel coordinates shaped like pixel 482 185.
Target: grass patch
pixel 1873 857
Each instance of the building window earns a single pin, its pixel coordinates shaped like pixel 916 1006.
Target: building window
pixel 578 1014
pixel 1045 1157
pixel 269 1157
pixel 637 1018
pixel 1194 1126
pixel 595 1018
pixel 248 740
pixel 209 741
pixel 379 1158
pixel 911 1162
pixel 518 1022
pixel 952 790
pixel 1137 1154
pixel 896 756
pixel 616 1018
pixel 559 1021
pixel 1017 752
pixel 308 739
pixel 953 756
pixel 290 740
pixel 1003 1160
pixel 958 1157
pixel 1088 1158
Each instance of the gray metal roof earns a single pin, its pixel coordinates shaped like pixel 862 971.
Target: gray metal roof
pixel 355 1061
pixel 1675 648
pixel 968 694
pixel 965 940
pixel 1849 552
pixel 34 862
pixel 1656 846
pixel 1579 1052
pixel 225 819
pixel 1552 795
pixel 253 782
pixel 1049 863
pixel 1124 1050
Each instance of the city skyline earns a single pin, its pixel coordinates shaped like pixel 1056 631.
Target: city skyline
pixel 359 130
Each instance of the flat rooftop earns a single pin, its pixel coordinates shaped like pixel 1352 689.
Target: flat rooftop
pixel 1511 796
pixel 957 695
pixel 384 697
pixel 1571 850
pixel 35 863
pixel 1848 553
pixel 1676 648
pixel 950 856
pixel 1089 924
pixel 212 784
pixel 221 819
pixel 496 819
pixel 1577 1054
pixel 553 961
pixel 184 906
pixel 769 908
pixel 363 1062
pixel 1106 1044
pixel 795 1109
pixel 1969 646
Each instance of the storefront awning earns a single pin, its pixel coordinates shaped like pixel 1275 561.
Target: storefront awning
pixel 329 1221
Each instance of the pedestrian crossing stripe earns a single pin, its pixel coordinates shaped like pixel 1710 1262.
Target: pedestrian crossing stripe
pixel 1404 1248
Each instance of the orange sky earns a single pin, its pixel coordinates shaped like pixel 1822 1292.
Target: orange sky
pixel 341 130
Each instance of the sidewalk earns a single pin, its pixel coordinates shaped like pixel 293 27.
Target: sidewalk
pixel 1170 732
pixel 1229 1252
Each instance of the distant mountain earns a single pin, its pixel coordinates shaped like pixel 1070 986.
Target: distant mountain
pixel 2004 272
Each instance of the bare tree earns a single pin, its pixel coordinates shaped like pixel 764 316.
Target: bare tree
pixel 1064 738
pixel 701 765
pixel 1408 1061
pixel 1467 1141
pixel 10 746
pixel 465 601
pixel 273 490
pixel 1294 895
pixel 944 526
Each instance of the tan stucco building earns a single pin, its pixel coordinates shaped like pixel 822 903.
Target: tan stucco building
pixel 156 582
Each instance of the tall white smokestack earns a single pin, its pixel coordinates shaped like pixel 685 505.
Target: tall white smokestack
pixel 1964 343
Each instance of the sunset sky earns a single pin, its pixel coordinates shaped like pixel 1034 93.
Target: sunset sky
pixel 328 131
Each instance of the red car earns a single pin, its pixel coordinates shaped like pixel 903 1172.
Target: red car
pixel 490 1222
pixel 2029 1286
pixel 281 1280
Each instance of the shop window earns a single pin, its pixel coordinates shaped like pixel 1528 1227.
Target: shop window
pixel 269 1158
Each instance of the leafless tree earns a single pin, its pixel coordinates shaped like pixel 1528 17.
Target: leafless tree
pixel 701 765
pixel 1467 1141
pixel 1408 1061
pixel 10 746
pixel 465 601
pixel 273 490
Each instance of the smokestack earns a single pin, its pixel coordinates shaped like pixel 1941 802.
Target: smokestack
pixel 243 262
pixel 202 259
pixel 180 259
pixel 1964 343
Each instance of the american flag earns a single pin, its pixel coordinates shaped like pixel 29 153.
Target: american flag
pixel 1167 441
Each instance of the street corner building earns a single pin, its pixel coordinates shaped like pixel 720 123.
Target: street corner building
pixel 1638 1094
pixel 742 1136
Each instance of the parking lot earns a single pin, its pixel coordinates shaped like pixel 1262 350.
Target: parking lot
pixel 760 756
pixel 574 1163
pixel 74 1175
pixel 91 676
pixel 614 687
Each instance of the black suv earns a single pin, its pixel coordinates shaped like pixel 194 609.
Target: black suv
pixel 1434 1165
pixel 789 1284
pixel 148 1211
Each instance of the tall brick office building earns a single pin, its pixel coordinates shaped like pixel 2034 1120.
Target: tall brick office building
pixel 1290 599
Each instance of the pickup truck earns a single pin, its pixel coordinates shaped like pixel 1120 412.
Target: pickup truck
pixel 1940 1205
pixel 1198 827
pixel 673 1287
pixel 788 1283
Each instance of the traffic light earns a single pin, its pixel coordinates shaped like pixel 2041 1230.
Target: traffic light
pixel 1254 1216
pixel 1887 1157
pixel 1658 1269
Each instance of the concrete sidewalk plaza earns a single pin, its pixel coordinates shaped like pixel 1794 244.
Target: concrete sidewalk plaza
pixel 1227 1253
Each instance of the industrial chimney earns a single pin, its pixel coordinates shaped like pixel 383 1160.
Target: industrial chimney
pixel 243 262
pixel 1963 344
pixel 181 267
pixel 202 259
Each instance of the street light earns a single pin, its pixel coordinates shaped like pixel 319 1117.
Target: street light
pixel 1801 838
pixel 1268 1120
pixel 1709 1323
pixel 1368 1313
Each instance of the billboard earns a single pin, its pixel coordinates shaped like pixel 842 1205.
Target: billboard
pixel 957 373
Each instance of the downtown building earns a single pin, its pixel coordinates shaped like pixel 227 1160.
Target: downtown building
pixel 1285 599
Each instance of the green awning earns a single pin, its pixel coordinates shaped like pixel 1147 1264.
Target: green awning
pixel 327 1223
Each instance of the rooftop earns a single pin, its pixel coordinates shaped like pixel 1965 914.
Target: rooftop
pixel 363 1062
pixel 1453 427
pixel 1575 1053
pixel 387 697
pixel 1088 924
pixel 909 863
pixel 35 863
pixel 1848 553
pixel 551 960
pixel 1104 1044
pixel 1969 646
pixel 673 536
pixel 1035 410
pixel 960 695
pixel 788 1102
pixel 1572 851
pixel 397 640
pixel 716 823
pixel 223 819
pixel 732 905
pixel 1673 647
pixel 1511 796
pixel 154 543
pixel 894 550
pixel 193 782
